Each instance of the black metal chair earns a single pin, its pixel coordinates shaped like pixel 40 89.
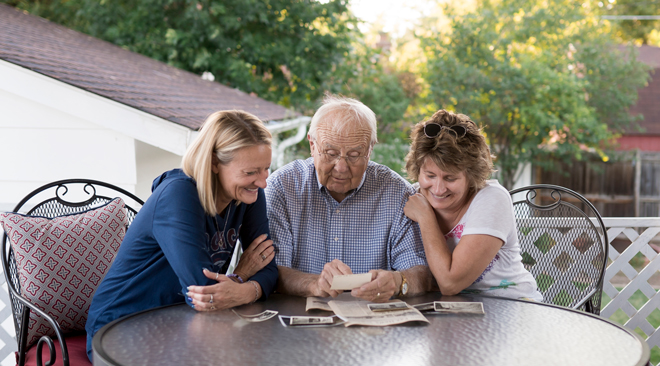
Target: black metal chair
pixel 563 242
pixel 49 201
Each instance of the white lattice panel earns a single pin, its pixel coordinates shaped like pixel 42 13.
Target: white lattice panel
pixel 7 334
pixel 640 243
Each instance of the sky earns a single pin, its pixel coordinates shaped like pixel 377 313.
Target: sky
pixel 395 15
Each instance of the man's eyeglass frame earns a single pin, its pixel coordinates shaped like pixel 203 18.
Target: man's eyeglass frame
pixel 433 130
pixel 350 160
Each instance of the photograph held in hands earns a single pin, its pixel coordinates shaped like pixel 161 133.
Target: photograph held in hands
pixel 349 282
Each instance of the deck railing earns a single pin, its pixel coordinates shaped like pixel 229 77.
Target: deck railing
pixel 632 277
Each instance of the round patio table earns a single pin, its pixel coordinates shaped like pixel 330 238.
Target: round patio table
pixel 511 332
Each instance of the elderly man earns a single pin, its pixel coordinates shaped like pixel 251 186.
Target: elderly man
pixel 339 213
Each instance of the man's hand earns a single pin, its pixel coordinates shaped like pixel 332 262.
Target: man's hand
pixel 321 287
pixel 383 285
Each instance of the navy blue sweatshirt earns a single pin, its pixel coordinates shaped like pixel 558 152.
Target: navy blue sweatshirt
pixel 166 247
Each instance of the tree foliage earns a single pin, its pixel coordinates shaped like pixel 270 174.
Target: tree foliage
pixel 282 50
pixel 366 75
pixel 543 79
pixel 637 30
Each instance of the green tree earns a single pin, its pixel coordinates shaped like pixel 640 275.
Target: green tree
pixel 282 50
pixel 367 75
pixel 543 78
pixel 286 51
pixel 637 30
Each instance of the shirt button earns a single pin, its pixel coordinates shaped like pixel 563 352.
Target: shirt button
pixel 336 211
pixel 336 239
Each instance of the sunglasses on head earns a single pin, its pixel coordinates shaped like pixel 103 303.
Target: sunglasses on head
pixel 432 130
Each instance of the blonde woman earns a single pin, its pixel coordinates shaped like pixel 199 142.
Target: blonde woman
pixel 467 222
pixel 181 242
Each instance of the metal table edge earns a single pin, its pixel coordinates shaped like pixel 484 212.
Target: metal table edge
pixel 644 359
pixel 646 351
pixel 97 350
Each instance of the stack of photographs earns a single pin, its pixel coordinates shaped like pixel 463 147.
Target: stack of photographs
pixel 451 307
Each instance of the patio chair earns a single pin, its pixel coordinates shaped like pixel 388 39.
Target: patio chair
pixel 563 243
pixel 93 204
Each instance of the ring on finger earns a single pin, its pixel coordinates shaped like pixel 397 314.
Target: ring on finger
pixel 378 294
pixel 263 257
pixel 216 275
pixel 211 301
pixel 212 307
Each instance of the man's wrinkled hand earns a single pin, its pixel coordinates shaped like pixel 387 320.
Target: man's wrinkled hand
pixel 381 288
pixel 324 282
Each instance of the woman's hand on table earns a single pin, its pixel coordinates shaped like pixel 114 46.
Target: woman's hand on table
pixel 223 295
pixel 382 287
pixel 255 257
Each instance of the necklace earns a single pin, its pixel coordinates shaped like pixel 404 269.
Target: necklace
pixel 215 221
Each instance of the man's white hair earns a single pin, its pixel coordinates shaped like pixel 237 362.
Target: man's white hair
pixel 341 114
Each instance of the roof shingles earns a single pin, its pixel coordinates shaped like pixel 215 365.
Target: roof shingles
pixel 123 76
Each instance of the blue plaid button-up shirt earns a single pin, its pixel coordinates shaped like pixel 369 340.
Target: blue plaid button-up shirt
pixel 367 230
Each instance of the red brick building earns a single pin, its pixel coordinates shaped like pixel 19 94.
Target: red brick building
pixel 647 105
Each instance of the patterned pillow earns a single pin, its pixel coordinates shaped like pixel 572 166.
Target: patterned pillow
pixel 61 261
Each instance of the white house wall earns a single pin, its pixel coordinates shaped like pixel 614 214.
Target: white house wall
pixel 91 107
pixel 50 130
pixel 42 144
pixel 151 162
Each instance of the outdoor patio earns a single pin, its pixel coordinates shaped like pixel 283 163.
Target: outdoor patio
pixel 632 280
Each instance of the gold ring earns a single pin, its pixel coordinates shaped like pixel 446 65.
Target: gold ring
pixel 212 307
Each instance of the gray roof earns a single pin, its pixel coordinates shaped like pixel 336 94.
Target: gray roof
pixel 120 75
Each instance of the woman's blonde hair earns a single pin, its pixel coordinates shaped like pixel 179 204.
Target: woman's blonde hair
pixel 222 134
pixel 469 153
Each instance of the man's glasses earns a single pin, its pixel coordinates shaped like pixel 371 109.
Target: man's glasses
pixel 333 158
pixel 432 130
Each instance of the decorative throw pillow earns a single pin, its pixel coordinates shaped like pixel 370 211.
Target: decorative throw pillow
pixel 61 261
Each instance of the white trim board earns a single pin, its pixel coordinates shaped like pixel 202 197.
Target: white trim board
pixel 105 112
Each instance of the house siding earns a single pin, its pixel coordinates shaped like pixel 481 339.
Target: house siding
pixel 42 144
pixel 644 143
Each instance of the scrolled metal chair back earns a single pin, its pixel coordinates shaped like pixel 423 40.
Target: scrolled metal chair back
pixel 64 197
pixel 563 243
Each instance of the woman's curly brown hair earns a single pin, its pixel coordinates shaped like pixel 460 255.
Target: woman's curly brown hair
pixel 469 153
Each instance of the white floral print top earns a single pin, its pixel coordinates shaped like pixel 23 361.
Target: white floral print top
pixel 491 213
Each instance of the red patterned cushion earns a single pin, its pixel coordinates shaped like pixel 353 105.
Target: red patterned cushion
pixel 76 346
pixel 61 261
